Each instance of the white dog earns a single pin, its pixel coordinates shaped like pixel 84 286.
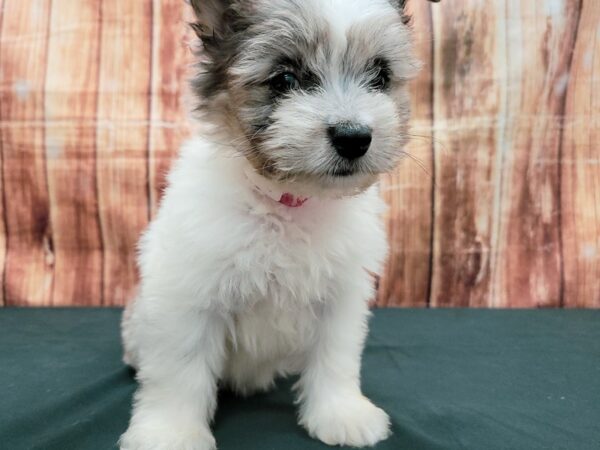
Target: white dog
pixel 259 263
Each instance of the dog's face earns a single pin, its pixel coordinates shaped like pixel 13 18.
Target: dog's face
pixel 316 88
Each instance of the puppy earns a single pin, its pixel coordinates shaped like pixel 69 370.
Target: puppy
pixel 259 263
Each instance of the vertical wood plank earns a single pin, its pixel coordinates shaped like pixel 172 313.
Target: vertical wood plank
pixel 581 167
pixel 70 105
pixel 527 264
pixel 408 191
pixel 467 103
pixel 2 215
pixel 122 140
pixel 28 269
pixel 171 57
pixel 84 151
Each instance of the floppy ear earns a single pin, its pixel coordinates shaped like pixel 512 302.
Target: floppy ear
pixel 401 5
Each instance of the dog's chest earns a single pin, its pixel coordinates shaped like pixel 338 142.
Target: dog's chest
pixel 267 331
pixel 286 263
pixel 285 274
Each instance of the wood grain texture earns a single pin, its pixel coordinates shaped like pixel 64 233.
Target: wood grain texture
pixel 526 262
pixel 498 204
pixel 469 61
pixel 171 57
pixel 408 191
pixel 3 242
pixel 580 165
pixel 29 263
pixel 71 103
pixel 122 140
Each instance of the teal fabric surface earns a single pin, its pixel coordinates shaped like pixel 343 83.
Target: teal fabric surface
pixel 450 379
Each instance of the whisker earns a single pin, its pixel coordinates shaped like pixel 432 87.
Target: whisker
pixel 423 167
pixel 429 139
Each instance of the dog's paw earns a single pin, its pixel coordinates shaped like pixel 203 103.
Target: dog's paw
pixel 141 438
pixel 354 422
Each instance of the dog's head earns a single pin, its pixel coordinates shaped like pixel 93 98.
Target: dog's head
pixel 313 91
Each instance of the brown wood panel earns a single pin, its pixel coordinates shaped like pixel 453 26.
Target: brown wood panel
pixel 469 62
pixel 171 57
pixel 408 191
pixel 581 166
pixel 499 205
pixel 2 215
pixel 527 262
pixel 28 267
pixel 122 140
pixel 70 113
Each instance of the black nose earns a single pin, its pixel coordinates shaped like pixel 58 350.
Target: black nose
pixel 351 141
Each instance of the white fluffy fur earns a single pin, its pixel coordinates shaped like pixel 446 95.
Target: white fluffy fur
pixel 239 288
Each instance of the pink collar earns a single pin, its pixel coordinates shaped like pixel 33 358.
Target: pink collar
pixel 292 201
pixel 275 191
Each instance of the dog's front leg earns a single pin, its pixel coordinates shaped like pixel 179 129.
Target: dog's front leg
pixel 333 408
pixel 181 358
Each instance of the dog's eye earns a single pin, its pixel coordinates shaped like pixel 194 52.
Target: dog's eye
pixel 382 76
pixel 284 82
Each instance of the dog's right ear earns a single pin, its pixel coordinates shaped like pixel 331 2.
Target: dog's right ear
pixel 210 17
pixel 401 5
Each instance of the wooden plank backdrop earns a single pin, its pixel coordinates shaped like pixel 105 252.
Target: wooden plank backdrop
pixel 497 206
